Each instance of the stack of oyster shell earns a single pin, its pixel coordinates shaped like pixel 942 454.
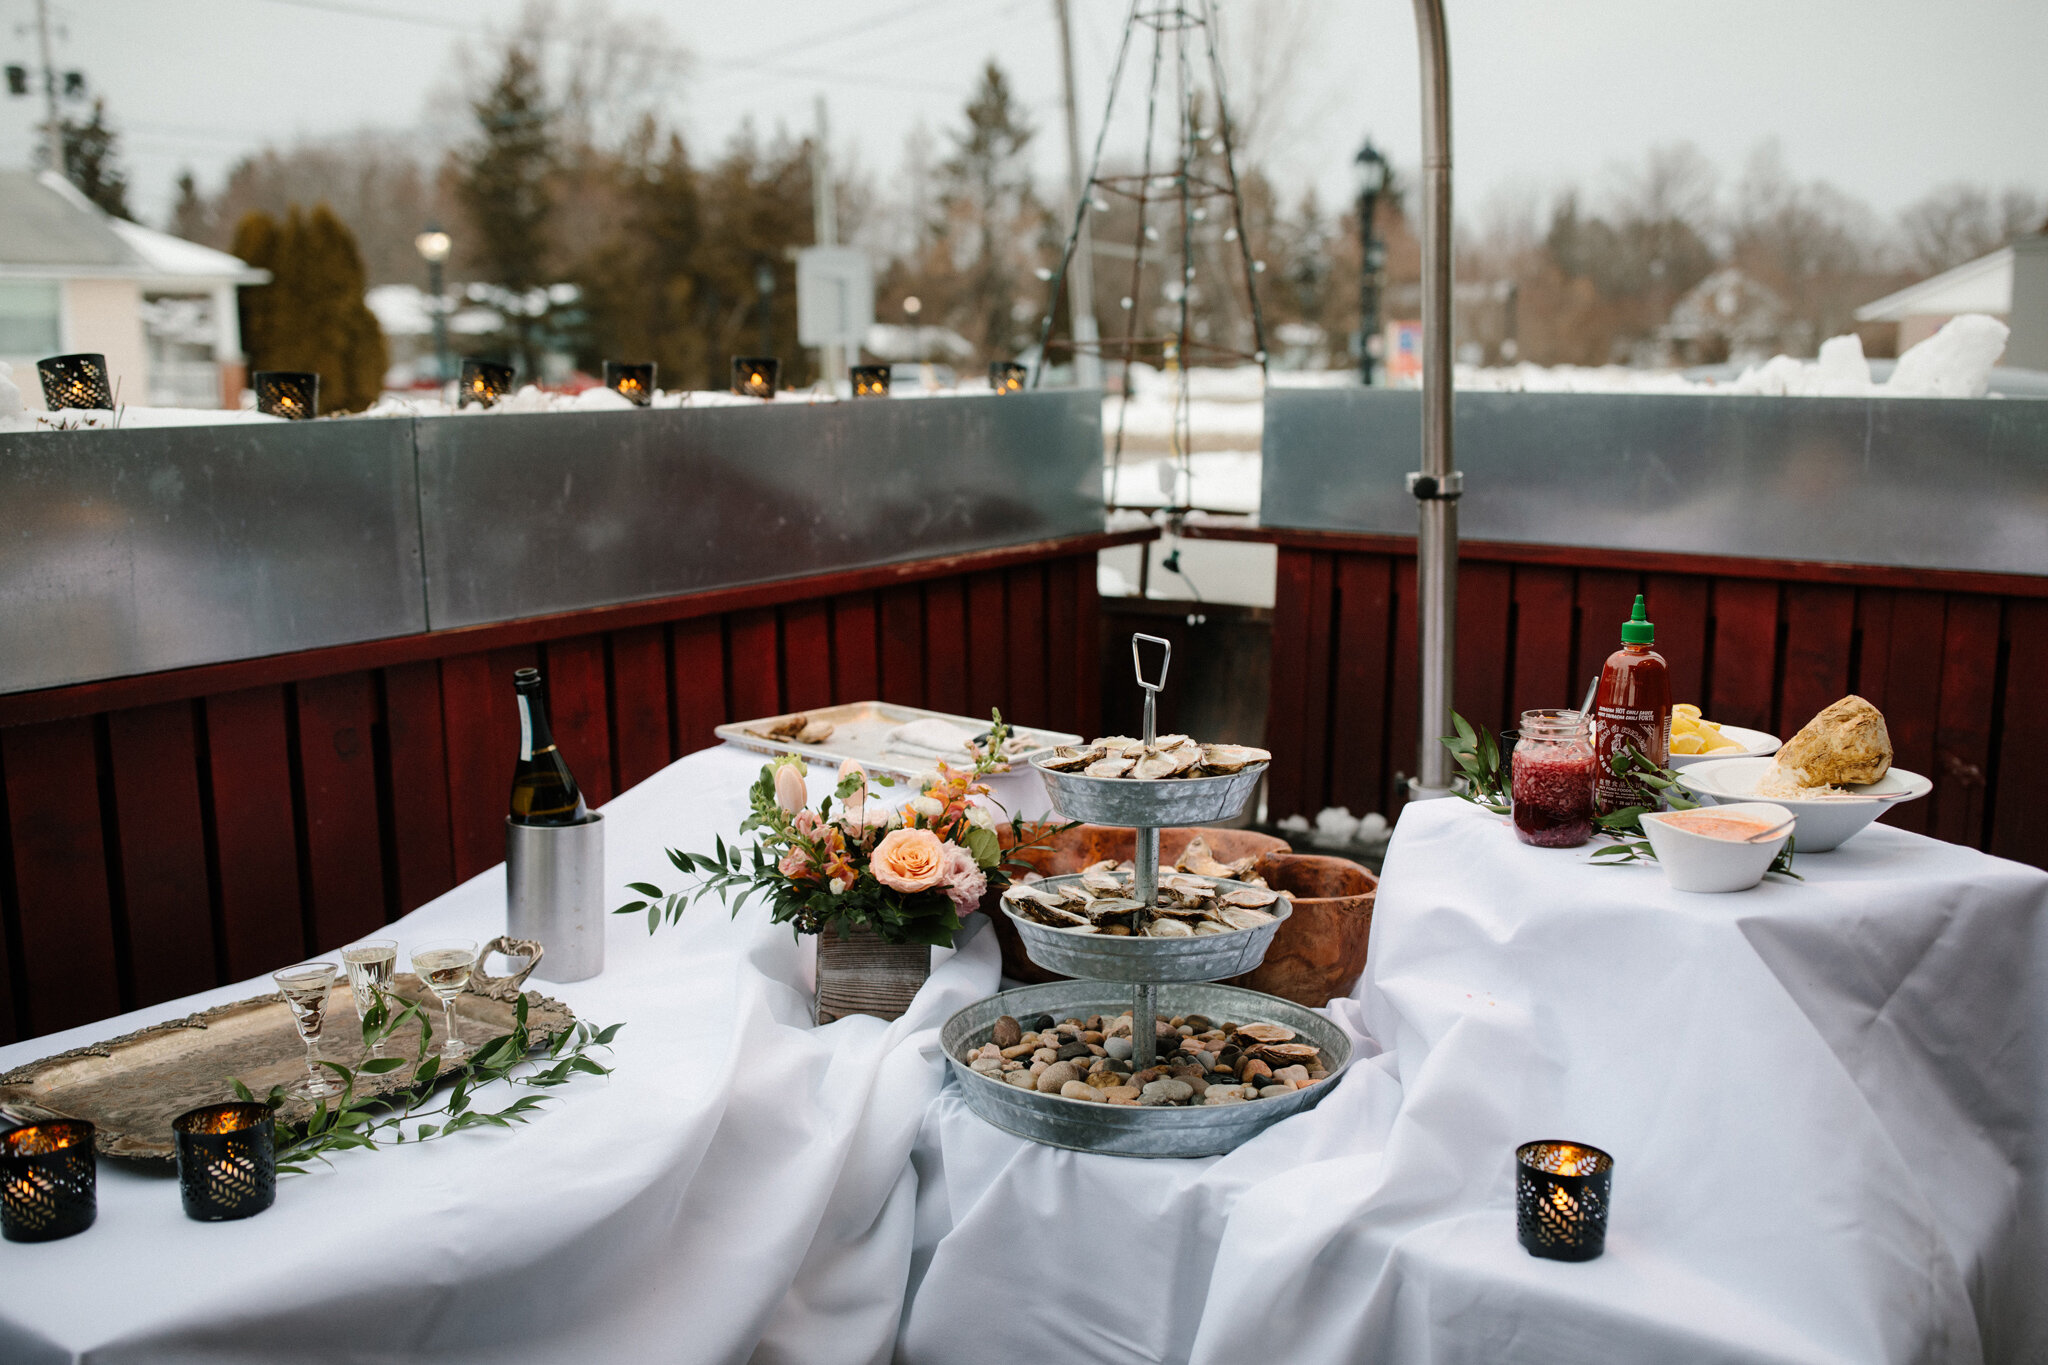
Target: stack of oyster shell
pixel 1191 902
pixel 1165 757
pixel 1200 1062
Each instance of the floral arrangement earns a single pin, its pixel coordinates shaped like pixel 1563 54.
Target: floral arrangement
pixel 910 874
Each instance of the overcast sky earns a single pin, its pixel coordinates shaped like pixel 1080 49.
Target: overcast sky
pixel 1885 98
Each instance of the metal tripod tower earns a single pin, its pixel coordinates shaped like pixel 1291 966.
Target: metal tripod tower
pixel 1187 182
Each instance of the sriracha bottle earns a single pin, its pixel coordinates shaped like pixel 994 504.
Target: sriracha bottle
pixel 1631 710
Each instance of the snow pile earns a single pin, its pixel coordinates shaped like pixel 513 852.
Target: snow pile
pixel 1953 363
pixel 1224 481
pixel 1526 378
pixel 1337 827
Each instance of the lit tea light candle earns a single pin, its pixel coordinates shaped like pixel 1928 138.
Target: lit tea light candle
pixel 1561 1197
pixel 1006 376
pixel 755 376
pixel 871 381
pixel 227 1161
pixel 632 382
pixel 483 383
pixel 48 1180
pixel 76 381
pixel 291 394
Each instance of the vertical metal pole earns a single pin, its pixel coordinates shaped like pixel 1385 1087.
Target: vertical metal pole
pixel 1081 273
pixel 1144 1026
pixel 53 126
pixel 825 220
pixel 435 286
pixel 1437 486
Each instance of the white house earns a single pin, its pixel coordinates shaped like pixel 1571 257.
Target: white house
pixel 2010 284
pixel 161 309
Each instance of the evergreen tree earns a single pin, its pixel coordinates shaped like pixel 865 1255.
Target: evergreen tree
pixel 311 316
pixel 990 210
pixel 641 287
pixel 191 216
pixel 91 150
pixel 504 180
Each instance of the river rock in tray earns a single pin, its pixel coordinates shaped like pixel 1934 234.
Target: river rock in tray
pixel 1167 757
pixel 1200 1062
pixel 1103 902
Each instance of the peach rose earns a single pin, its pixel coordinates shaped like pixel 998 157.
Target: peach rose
pixel 909 860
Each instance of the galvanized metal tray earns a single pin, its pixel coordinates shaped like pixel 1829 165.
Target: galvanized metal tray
pixel 1117 1130
pixel 131 1087
pixel 860 730
pixel 1106 957
pixel 1150 805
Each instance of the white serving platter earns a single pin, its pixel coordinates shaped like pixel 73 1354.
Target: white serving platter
pixel 860 732
pixel 1825 822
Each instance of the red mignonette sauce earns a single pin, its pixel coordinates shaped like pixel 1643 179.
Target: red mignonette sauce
pixel 1631 709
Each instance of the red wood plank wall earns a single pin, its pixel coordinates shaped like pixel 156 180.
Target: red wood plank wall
pixel 1960 673
pixel 149 851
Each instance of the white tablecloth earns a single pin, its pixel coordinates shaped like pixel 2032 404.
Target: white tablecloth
pixel 739 1189
pixel 1827 1103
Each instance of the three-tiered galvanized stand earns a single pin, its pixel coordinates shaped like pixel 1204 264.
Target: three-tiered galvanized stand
pixel 1161 973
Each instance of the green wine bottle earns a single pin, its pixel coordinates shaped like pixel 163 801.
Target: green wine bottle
pixel 544 791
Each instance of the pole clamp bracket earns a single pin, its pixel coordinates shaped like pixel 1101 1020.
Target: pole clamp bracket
pixel 1429 488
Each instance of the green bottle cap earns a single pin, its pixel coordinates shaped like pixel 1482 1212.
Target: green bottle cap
pixel 1637 630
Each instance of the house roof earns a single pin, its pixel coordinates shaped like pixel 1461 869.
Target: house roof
pixel 1980 286
pixel 48 230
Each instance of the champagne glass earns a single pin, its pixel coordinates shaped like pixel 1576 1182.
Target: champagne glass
pixel 371 964
pixel 307 988
pixel 444 965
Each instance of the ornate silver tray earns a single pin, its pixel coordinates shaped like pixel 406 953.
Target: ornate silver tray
pixel 860 730
pixel 1117 1130
pixel 131 1087
pixel 1107 957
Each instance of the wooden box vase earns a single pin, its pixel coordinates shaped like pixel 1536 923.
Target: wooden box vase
pixel 860 974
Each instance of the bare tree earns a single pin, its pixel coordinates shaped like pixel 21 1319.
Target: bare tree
pixel 1960 222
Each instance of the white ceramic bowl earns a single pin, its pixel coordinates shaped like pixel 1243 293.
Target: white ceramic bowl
pixel 1755 744
pixel 1824 822
pixel 1701 862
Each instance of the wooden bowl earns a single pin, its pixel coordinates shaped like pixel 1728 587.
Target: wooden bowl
pixel 1086 844
pixel 1319 952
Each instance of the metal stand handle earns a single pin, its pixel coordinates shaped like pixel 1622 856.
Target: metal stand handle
pixel 1144 998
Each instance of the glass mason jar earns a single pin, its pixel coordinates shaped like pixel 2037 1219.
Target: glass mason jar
pixel 1552 780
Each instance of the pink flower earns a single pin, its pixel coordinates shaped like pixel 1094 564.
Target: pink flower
pixel 966 883
pixel 909 860
pixel 808 824
pixel 858 797
pixel 796 865
pixel 790 791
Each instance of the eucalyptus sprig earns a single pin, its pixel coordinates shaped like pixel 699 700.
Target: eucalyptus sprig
pixel 1483 773
pixel 353 1121
pixel 1631 762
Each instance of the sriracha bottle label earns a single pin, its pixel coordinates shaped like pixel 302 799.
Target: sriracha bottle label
pixel 1616 730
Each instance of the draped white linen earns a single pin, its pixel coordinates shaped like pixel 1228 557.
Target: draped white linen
pixel 1827 1103
pixel 739 1189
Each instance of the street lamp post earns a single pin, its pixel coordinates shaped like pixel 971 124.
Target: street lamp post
pixel 1371 169
pixel 433 246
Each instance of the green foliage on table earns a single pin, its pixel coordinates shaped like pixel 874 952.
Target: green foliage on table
pixel 1483 776
pixel 345 1121
pixel 808 901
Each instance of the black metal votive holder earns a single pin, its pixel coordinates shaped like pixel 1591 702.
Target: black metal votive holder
pixel 76 381
pixel 483 382
pixel 1561 1197
pixel 291 394
pixel 48 1178
pixel 755 376
pixel 1006 376
pixel 634 383
pixel 871 381
pixel 227 1161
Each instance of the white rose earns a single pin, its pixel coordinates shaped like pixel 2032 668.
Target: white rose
pixel 931 808
pixel 978 816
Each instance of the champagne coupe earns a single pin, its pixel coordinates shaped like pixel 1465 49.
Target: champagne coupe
pixel 444 965
pixel 371 964
pixel 307 989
